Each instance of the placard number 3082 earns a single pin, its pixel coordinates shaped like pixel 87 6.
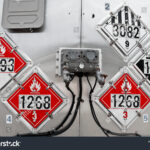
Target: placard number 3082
pixel 123 31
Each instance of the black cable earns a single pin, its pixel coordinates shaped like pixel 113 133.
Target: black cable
pixel 76 110
pixel 63 121
pixel 106 131
pixel 57 132
pixel 92 108
pixel 70 110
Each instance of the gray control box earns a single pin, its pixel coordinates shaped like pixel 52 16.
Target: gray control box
pixel 23 14
pixel 75 61
pixel 79 60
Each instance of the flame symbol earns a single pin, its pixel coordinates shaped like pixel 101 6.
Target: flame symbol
pixel 2 49
pixel 35 86
pixel 126 86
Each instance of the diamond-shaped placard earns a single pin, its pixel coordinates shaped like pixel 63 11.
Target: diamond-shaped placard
pixel 34 100
pixel 124 30
pixel 140 64
pixel 11 60
pixel 123 99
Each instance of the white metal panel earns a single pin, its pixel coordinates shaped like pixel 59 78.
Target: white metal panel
pixel 93 12
pixel 61 29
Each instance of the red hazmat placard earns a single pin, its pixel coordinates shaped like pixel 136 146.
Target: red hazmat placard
pixel 125 94
pixel 10 61
pixel 35 100
pixel 124 100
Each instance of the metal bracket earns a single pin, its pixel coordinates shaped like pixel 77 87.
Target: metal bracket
pixel 19 115
pixel 141 47
pixel 15 80
pixel 49 85
pixel 113 42
pixel 138 113
pixel 141 82
pixel 112 84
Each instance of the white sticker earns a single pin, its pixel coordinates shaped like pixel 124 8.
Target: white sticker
pixel 143 9
pixel 145 118
pixel 107 6
pixel 8 119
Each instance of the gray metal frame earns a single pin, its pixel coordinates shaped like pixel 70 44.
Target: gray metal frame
pixel 9 76
pixel 113 42
pixel 98 94
pixel 13 86
pixel 23 14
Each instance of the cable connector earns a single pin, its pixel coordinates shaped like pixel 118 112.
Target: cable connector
pixel 101 77
pixel 67 76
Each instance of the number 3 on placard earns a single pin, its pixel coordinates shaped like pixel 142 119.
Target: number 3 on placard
pixel 125 114
pixel 34 116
